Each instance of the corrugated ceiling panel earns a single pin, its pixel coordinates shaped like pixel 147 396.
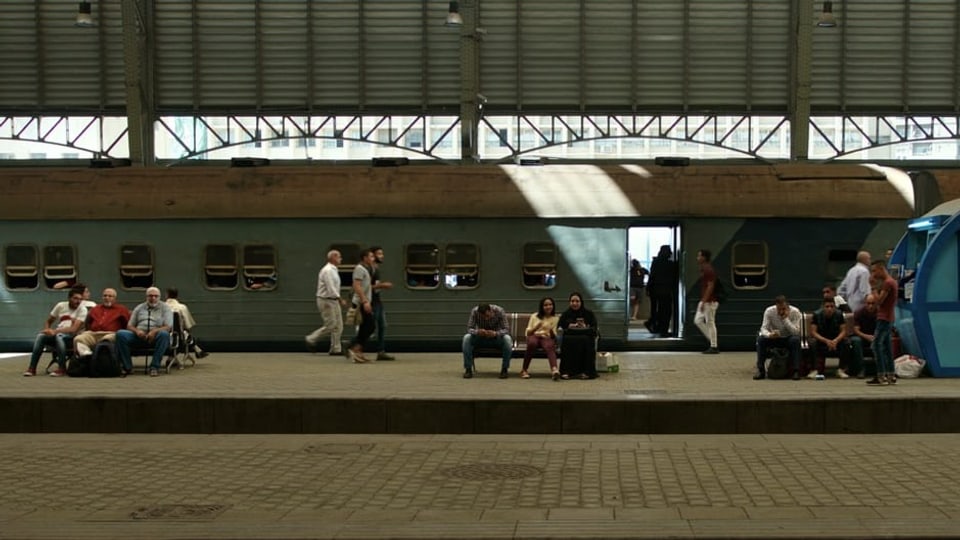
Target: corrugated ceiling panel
pixel 394 53
pixel 336 54
pixel 284 46
pixel 660 60
pixel 499 51
pixel 769 77
pixel 932 64
pixel 717 54
pixel 20 82
pixel 227 54
pixel 174 55
pixel 550 44
pixel 47 62
pixel 607 69
pixel 443 60
pixel 874 74
pixel 826 65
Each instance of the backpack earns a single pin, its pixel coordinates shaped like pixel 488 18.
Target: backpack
pixel 78 366
pixel 104 362
pixel 779 365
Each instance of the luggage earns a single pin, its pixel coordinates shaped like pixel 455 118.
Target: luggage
pixel 779 366
pixel 104 362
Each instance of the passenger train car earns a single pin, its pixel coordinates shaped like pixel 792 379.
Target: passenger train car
pixel 244 245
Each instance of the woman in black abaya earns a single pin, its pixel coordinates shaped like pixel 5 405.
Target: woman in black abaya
pixel 578 356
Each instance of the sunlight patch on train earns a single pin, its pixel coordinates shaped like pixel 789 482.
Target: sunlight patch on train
pixel 899 180
pixel 570 191
pixel 595 254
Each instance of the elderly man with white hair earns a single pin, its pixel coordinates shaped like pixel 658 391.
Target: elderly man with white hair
pixel 149 326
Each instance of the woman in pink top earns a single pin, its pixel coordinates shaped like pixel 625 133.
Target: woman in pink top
pixel 542 333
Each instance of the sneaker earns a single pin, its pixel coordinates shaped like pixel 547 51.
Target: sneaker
pixel 812 375
pixel 711 350
pixel 820 376
pixel 876 381
pixel 503 374
pixel 154 372
pixel 555 375
pixel 891 379
pixel 381 356
pixel 524 375
pixel 760 376
pixel 30 372
pixel 335 353
pixel 58 373
pixel 202 354
pixel 841 374
pixel 468 374
pixel 311 346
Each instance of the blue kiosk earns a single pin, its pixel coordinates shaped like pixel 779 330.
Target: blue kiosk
pixel 926 262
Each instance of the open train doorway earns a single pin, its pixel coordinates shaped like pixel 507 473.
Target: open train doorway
pixel 653 275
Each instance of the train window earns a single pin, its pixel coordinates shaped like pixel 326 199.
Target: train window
pixel 838 261
pixel 423 266
pixel 350 256
pixel 220 270
pixel 20 269
pixel 59 267
pixel 462 266
pixel 540 265
pixel 136 266
pixel 749 265
pixel 259 267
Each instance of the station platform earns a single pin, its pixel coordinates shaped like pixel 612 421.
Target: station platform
pixel 294 393
pixel 242 446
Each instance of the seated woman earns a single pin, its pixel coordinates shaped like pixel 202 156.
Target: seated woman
pixel 542 333
pixel 578 326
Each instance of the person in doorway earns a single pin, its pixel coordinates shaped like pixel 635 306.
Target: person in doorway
pixel 706 317
pixel 662 289
pixel 638 275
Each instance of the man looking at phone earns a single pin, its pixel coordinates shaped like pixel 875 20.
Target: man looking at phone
pixel 781 328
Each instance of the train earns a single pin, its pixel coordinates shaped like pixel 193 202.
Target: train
pixel 244 244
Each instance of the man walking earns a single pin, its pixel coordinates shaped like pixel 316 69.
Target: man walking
pixel 328 303
pixel 379 316
pixel 705 319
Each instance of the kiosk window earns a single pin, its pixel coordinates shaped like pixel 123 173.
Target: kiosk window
pixel 220 271
pixel 136 266
pixel 423 266
pixel 539 265
pixel 462 268
pixel 20 269
pixel 350 257
pixel 750 265
pixel 259 267
pixel 59 267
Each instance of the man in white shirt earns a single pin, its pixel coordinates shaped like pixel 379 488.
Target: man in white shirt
pixel 64 321
pixel 782 325
pixel 856 285
pixel 328 303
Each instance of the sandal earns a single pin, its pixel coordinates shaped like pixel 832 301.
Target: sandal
pixel 524 375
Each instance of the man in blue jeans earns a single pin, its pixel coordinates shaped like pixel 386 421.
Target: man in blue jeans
pixel 149 326
pixel 487 327
pixel 379 316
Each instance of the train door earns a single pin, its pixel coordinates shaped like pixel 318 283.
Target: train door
pixel 652 315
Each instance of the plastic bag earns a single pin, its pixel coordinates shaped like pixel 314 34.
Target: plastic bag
pixel 908 366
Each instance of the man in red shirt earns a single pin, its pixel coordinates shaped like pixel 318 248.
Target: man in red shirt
pixel 102 323
pixel 706 316
pixel 886 300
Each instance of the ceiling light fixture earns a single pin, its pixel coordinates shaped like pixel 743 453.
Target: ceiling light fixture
pixel 453 15
pixel 827 19
pixel 84 15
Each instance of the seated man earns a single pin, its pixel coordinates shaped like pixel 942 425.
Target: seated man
pixel 64 321
pixel 864 327
pixel 149 326
pixel 829 332
pixel 487 327
pixel 186 321
pixel 781 327
pixel 102 323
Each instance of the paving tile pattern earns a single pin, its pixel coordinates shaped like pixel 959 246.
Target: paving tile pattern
pixel 380 486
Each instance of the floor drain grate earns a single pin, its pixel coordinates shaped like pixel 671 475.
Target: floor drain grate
pixel 492 471
pixel 337 448
pixel 180 511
